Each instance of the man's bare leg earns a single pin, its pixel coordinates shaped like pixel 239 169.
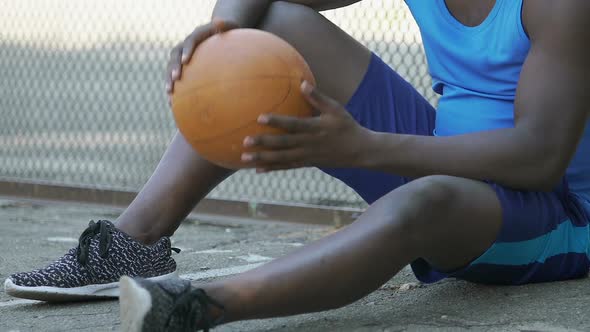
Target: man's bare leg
pixel 447 221
pixel 180 181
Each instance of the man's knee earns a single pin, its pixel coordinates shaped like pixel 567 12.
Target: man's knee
pixel 436 191
pixel 285 19
pixel 425 202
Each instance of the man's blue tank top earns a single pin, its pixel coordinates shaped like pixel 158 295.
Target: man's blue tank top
pixel 476 72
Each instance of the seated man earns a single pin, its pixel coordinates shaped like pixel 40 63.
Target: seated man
pixel 492 187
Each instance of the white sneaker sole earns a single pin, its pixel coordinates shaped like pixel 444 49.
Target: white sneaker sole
pixel 57 294
pixel 135 302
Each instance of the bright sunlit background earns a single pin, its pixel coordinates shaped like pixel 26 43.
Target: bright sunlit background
pixel 82 98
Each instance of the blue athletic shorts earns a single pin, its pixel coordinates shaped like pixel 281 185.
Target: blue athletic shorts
pixel 544 235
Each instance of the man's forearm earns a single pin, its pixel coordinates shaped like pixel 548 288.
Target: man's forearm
pixel 248 13
pixel 506 156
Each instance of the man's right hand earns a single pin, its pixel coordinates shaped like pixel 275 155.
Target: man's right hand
pixel 182 53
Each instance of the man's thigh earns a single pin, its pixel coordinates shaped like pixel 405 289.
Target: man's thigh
pixel 337 60
pixel 385 102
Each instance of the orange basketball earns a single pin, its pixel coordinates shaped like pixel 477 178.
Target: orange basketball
pixel 232 78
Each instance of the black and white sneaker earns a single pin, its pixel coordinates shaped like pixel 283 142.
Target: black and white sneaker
pixel 93 269
pixel 169 305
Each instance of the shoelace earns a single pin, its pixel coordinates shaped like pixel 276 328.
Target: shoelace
pixel 186 306
pixel 100 228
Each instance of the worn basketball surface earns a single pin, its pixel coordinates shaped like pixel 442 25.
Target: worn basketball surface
pixel 231 79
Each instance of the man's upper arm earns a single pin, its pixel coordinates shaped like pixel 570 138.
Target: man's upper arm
pixel 552 102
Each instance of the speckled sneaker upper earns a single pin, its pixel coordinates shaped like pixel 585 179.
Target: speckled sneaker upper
pixel 169 305
pixel 94 267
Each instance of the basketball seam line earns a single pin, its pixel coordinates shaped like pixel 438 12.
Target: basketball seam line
pixel 204 140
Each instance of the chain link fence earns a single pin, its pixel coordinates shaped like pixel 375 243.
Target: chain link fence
pixel 82 98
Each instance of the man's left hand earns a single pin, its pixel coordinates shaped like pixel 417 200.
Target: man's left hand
pixel 333 139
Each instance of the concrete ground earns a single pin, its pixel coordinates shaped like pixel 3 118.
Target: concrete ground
pixel 33 234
